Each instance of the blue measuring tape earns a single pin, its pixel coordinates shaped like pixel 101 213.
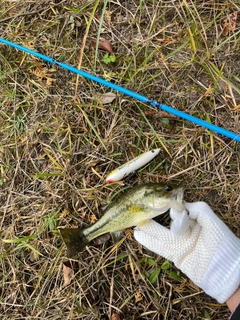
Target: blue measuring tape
pixel 127 92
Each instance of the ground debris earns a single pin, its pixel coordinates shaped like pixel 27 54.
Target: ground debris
pixel 230 23
pixel 115 316
pixel 68 275
pixel 69 268
pixel 106 97
pixel 103 44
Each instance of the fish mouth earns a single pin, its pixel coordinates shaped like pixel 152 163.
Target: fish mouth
pixel 178 195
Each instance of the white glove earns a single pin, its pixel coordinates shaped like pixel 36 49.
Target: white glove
pixel 200 245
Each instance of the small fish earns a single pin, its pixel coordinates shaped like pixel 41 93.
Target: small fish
pixel 132 165
pixel 133 208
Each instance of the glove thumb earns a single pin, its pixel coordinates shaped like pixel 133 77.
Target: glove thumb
pixel 180 222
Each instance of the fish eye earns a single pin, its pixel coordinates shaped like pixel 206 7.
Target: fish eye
pixel 168 188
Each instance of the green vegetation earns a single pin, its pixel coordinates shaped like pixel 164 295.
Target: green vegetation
pixel 59 141
pixel 108 58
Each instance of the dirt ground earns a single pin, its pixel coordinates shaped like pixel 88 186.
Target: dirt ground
pixel 60 137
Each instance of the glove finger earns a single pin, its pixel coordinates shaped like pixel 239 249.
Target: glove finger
pixel 204 215
pixel 156 238
pixel 153 229
pixel 198 209
pixel 180 224
pixel 174 213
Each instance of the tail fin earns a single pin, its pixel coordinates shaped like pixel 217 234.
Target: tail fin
pixel 74 239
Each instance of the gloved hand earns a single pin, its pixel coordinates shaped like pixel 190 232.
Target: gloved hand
pixel 200 245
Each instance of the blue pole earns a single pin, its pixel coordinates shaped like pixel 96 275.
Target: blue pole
pixel 129 93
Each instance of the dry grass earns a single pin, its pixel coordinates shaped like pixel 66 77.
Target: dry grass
pixel 56 151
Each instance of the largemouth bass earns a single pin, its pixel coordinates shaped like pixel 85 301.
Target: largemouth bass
pixel 133 208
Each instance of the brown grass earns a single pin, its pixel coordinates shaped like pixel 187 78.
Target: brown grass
pixel 55 152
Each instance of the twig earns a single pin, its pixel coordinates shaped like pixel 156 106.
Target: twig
pixel 83 47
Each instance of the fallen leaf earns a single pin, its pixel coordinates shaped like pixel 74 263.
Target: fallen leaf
pixel 65 213
pixel 68 274
pixel 92 218
pixel 92 164
pixel 107 97
pixel 40 71
pixel 115 316
pixel 208 92
pixel 103 44
pixel 108 16
pixel 229 24
pixel 138 296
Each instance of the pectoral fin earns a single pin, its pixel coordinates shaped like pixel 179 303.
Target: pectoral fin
pixel 160 210
pixel 143 222
pixel 116 236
